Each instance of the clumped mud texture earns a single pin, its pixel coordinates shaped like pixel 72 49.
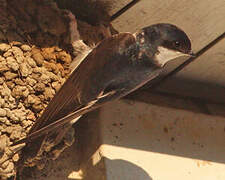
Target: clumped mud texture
pixel 32 68
pixel 29 80
pixel 35 55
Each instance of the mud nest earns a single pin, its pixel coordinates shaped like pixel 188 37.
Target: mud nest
pixel 35 58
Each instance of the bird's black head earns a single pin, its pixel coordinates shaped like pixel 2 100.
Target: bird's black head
pixel 166 42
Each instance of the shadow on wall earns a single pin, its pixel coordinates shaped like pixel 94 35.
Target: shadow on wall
pixel 89 139
pixel 119 170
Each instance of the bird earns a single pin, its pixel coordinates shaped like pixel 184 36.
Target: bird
pixel 117 66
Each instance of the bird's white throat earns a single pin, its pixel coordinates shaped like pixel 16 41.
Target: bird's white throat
pixel 164 55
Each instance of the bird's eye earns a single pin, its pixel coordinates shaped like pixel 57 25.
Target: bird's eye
pixel 177 43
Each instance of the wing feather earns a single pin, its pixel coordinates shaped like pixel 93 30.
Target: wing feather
pixel 84 85
pixel 75 92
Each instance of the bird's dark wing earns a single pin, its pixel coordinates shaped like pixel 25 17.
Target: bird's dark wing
pixel 76 91
pixel 84 86
pixel 102 99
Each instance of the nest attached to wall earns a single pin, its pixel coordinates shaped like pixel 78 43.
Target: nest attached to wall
pixel 35 58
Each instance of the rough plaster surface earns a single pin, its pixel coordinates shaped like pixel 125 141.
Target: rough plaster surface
pixel 142 141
